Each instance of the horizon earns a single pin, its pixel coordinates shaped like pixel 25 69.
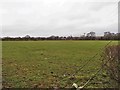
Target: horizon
pixel 58 35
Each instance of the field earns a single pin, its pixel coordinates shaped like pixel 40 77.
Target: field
pixel 44 64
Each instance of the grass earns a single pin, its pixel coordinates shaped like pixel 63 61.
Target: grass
pixel 46 64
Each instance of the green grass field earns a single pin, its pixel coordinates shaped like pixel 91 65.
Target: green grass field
pixel 46 64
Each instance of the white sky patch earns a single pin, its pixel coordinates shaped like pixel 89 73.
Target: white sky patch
pixel 57 17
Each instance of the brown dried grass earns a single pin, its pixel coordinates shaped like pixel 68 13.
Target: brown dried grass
pixel 111 61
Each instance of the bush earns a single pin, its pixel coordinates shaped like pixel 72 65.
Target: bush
pixel 111 61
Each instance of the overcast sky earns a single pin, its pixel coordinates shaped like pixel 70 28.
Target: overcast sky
pixel 57 17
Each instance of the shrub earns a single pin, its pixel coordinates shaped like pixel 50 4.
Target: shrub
pixel 111 61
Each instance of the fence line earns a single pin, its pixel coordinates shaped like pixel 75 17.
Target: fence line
pixel 90 59
pixel 92 77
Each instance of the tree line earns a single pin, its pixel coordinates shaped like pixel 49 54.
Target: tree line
pixel 88 36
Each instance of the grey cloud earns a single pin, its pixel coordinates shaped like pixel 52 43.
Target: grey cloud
pixel 100 5
pixel 56 17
